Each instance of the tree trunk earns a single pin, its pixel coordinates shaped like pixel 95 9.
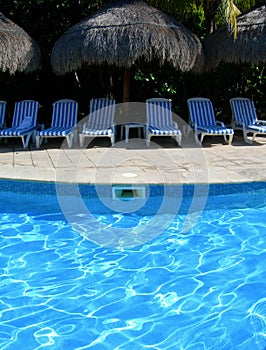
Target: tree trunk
pixel 126 85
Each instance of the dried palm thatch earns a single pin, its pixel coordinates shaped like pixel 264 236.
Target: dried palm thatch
pixel 248 47
pixel 124 34
pixel 18 51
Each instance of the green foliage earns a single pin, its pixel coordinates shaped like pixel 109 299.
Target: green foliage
pixel 47 20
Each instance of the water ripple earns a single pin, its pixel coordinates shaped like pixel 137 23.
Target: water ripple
pixel 202 290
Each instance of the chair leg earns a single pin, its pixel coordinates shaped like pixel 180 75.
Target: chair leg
pixel 178 139
pixel 245 134
pixel 229 139
pixel 70 138
pixel 28 137
pixel 201 137
pixel 198 142
pixel 148 140
pixel 38 141
pixel 23 142
pixel 81 140
pixel 112 137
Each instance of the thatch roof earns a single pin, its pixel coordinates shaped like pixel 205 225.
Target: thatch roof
pixel 123 34
pixel 248 47
pixel 18 51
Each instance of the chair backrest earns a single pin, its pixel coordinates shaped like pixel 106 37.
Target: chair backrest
pixel 159 112
pixel 201 111
pixel 26 108
pixel 65 113
pixel 243 110
pixel 2 113
pixel 102 111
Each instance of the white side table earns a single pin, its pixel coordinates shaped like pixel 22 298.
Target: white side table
pixel 128 126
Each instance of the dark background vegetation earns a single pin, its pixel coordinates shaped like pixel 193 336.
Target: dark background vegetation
pixel 46 20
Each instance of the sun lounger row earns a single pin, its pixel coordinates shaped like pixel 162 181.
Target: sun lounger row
pixel 244 117
pixel 100 121
pixel 24 122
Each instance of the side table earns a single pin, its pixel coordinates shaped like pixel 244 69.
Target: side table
pixel 128 126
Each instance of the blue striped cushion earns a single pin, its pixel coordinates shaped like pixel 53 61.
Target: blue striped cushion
pixel 65 114
pixel 15 131
pixel 159 113
pixel 23 109
pixel 257 128
pixel 101 113
pixel 56 131
pixel 167 131
pixel 215 130
pixel 201 112
pixel 243 111
pixel 99 132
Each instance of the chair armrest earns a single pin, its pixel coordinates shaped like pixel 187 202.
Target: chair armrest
pixel 175 125
pixel 236 123
pixel 84 126
pixel 218 122
pixel 262 122
pixel 193 125
pixel 40 126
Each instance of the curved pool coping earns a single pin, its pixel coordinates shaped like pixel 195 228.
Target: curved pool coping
pixel 238 163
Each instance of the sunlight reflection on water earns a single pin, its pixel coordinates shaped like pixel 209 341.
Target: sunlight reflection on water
pixel 201 290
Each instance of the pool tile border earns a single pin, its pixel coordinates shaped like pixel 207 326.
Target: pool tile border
pixel 91 190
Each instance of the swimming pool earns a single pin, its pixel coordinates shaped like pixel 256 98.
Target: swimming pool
pixel 202 289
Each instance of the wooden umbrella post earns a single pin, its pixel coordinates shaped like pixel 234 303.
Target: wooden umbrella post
pixel 126 85
pixel 126 90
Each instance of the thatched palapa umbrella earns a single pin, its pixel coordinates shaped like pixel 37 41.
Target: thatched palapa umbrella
pixel 124 34
pixel 249 46
pixel 18 51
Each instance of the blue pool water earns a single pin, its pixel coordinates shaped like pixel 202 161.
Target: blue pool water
pixel 200 289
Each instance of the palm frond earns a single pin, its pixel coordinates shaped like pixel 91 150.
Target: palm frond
pixel 229 13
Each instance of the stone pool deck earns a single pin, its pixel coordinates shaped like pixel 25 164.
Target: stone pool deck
pixel 134 162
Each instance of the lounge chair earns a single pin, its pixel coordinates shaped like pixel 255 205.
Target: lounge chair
pixel 64 119
pixel 24 122
pixel 2 114
pixel 203 122
pixel 244 117
pixel 100 120
pixel 159 120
